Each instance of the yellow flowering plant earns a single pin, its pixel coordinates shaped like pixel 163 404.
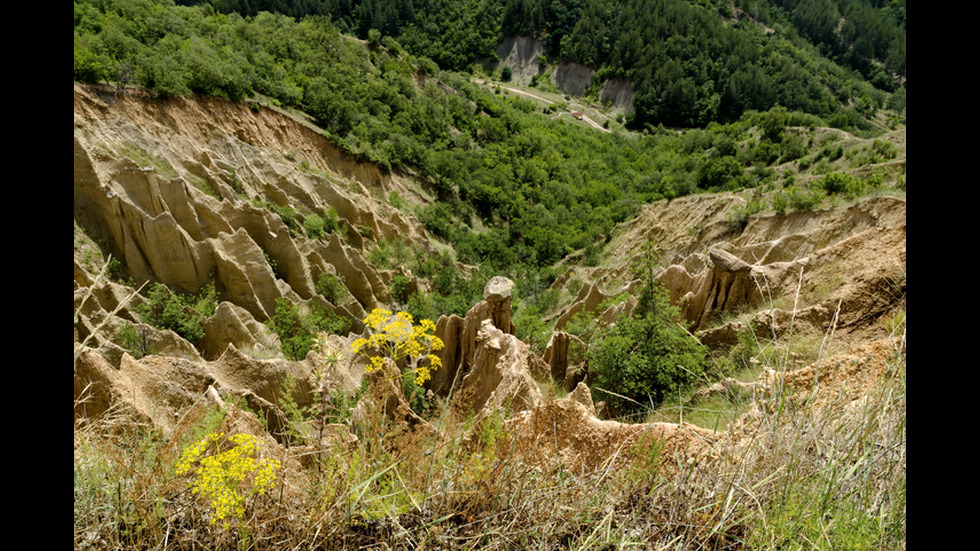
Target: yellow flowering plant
pixel 228 479
pixel 395 337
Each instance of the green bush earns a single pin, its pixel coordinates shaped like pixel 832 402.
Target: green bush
pixel 395 200
pixel 297 331
pixel 722 173
pixel 181 313
pixel 647 356
pixel 288 216
pixel 793 147
pixel 374 39
pixel 438 219
pixel 332 219
pixel 332 288
pixel 780 202
pixel 831 152
pixel 133 339
pixel 801 198
pixel 314 226
pixel 738 218
pixel 388 255
pixel 837 183
pixel 883 150
pixel 400 287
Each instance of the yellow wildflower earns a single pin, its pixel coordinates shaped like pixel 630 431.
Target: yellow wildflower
pixel 395 337
pixel 228 479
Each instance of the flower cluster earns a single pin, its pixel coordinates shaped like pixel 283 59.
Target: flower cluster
pixel 228 479
pixel 394 337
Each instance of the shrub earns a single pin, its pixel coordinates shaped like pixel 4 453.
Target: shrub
pixel 438 219
pixel 780 202
pixel 722 173
pixel 233 180
pixel 845 184
pixel 643 359
pixel 332 288
pixel 646 356
pixel 793 147
pixel 883 150
pixel 400 287
pixel 831 152
pixel 876 179
pixel 738 218
pixel 288 216
pixel 374 39
pixel 331 220
pixel 391 45
pixel 395 200
pixel 180 313
pixel 314 226
pixel 389 254
pixel 765 153
pixel 801 198
pixel 297 331
pixel 133 340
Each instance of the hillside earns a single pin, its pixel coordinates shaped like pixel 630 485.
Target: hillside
pixel 269 234
pixel 429 274
pixel 680 62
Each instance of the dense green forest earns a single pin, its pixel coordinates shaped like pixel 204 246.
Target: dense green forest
pixel 518 190
pixel 692 62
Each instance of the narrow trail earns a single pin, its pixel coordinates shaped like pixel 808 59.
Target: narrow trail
pixel 584 117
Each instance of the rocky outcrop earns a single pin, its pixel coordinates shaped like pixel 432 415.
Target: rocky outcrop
pixel 572 78
pixel 556 356
pixel 846 264
pixel 234 325
pixel 497 295
pixel 460 334
pixel 499 377
pixel 444 379
pixel 588 300
pixel 723 337
pixel 523 55
pixel 170 189
pixel 726 284
pixel 620 93
pixel 159 387
pixel 566 432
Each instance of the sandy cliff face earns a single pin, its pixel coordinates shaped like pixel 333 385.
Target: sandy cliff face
pixel 843 266
pixel 522 54
pixel 171 188
pixel 177 190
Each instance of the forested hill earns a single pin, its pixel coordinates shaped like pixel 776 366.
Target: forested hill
pixel 692 61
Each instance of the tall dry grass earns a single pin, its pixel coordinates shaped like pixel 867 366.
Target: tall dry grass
pixel 791 475
pixel 799 469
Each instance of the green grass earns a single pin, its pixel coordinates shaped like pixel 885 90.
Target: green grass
pixel 144 158
pixel 714 413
